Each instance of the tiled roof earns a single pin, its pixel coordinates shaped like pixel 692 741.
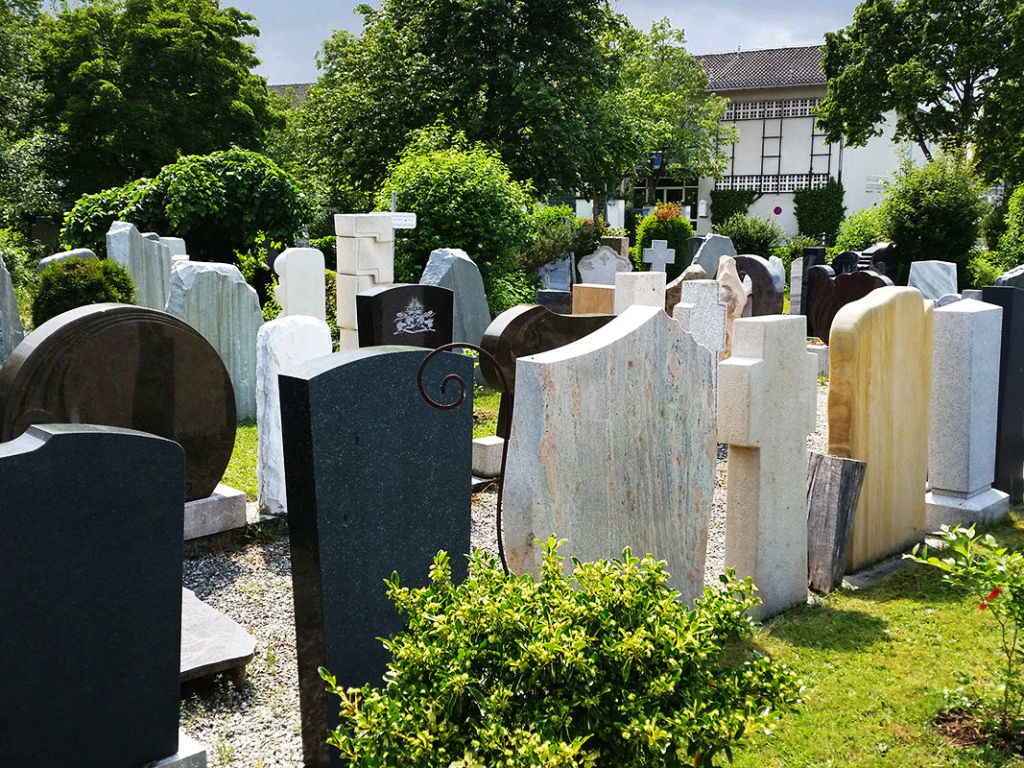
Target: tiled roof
pixel 299 88
pixel 768 68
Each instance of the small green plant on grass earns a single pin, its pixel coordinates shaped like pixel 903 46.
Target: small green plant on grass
pixel 994 576
pixel 603 666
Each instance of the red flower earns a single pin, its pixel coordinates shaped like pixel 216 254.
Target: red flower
pixel 995 593
pixel 983 606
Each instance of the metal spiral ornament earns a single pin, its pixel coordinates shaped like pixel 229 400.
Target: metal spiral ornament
pixel 454 378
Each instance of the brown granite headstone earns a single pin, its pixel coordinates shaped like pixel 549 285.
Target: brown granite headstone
pixel 765 297
pixel 830 293
pixel 123 366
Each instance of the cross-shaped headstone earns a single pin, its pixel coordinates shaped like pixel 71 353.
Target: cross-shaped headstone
pixel 659 255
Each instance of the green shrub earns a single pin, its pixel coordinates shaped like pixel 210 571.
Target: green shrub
pixel 792 249
pixel 752 234
pixel 604 667
pixel 666 223
pixel 1011 243
pixel 328 245
pixel 993 223
pixel 985 266
pixel 861 230
pixel 75 282
pixel 553 231
pixel 464 197
pixel 218 203
pixel 726 203
pixel 17 257
pixel 933 211
pixel 820 211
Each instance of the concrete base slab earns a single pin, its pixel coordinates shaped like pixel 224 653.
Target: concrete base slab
pixel 487 456
pixel 191 754
pixel 211 642
pixel 944 509
pixel 223 511
pixel 822 353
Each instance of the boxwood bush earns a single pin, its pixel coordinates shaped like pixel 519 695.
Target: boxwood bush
pixel 75 282
pixel 666 223
pixel 752 234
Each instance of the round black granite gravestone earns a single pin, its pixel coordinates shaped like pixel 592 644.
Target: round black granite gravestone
pixel 122 366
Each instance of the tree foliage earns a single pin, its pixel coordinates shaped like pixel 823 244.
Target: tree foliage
pixel 820 211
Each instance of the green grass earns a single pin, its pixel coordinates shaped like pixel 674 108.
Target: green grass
pixel 875 663
pixel 241 471
pixel 485 412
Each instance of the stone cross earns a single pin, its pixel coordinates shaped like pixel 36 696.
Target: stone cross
pixel 766 501
pixel 659 255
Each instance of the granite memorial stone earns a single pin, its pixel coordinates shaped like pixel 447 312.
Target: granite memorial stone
pixel 452 269
pixel 934 279
pixel 845 262
pixel 411 315
pixel 600 267
pixel 1010 427
pixel 11 330
pixel 644 288
pixel 659 255
pixel 812 257
pixel 711 251
pixel 1014 278
pixel 766 296
pixel 883 258
pixel 831 293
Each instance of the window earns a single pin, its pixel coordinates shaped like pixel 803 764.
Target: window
pixel 789 182
pixel 759 110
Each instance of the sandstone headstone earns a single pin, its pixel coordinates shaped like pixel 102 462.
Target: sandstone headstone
pixel 91 594
pixel 216 301
pixel 131 367
pixel 644 288
pixel 618 244
pixel 879 390
pixel 766 504
pixel 11 330
pixel 830 294
pixel 934 279
pixel 301 289
pixel 639 474
pixel 711 250
pixel 1010 428
pixel 281 345
pixel 453 269
pixel 378 480
pixel 964 410
pixel 77 253
pixel 366 258
pixel 602 265
pixel 411 315
pixel 766 295
pixel 593 299
pixel 1014 278
pixel 732 295
pixel 148 261
pixel 701 312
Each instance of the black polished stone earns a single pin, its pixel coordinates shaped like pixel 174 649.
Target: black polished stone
pixel 833 292
pixel 883 258
pixel 812 257
pixel 765 298
pixel 412 315
pixel 846 262
pixel 1010 424
pixel 559 302
pixel 131 367
pixel 90 597
pixel 378 481
pixel 527 330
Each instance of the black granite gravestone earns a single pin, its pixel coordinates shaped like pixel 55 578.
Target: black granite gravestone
pixel 846 262
pixel 812 258
pixel 378 480
pixel 90 597
pixel 833 292
pixel 883 258
pixel 765 297
pixel 412 315
pixel 1010 419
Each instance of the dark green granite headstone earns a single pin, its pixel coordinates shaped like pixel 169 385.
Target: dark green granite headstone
pixel 90 597
pixel 378 481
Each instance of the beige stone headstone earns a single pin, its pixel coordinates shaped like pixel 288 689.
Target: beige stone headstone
pixel 732 295
pixel 593 299
pixel 879 389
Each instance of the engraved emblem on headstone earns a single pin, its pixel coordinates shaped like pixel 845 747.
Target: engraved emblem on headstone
pixel 415 319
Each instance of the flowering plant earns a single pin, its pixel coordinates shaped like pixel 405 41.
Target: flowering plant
pixel 668 211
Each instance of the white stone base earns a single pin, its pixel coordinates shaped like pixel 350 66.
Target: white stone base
pixel 223 511
pixel 191 754
pixel 822 353
pixel 487 456
pixel 945 509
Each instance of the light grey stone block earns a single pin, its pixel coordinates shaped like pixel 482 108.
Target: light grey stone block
pixel 77 253
pixel 11 330
pixel 301 288
pixel 711 252
pixel 487 456
pixel 702 313
pixel 934 279
pixel 147 260
pixel 644 288
pixel 601 266
pixel 613 445
pixel 211 642
pixel 176 246
pixel 224 510
pixel 821 352
pixel 216 301
pixel 659 255
pixel 971 293
pixel 453 269
pixel 191 754
pixel 949 298
pixel 796 273
pixel 1014 278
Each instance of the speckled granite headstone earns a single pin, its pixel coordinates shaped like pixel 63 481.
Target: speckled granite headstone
pixel 413 315
pixel 605 471
pixel 1010 430
pixel 934 279
pixel 378 481
pixel 91 553
pixel 453 269
pixel 11 330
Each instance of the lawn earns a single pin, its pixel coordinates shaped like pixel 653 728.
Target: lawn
pixel 485 412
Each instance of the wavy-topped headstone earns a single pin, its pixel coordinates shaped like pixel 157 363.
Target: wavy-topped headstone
pixel 131 367
pixel 766 294
pixel 601 266
pixel 830 293
pixel 613 446
pixel 880 357
pixel 90 596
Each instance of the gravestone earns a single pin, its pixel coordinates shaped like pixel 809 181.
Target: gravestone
pixel 765 295
pixel 700 312
pixel 555 292
pixel 281 345
pixel 845 262
pixel 644 288
pixel 211 642
pixel 366 258
pixel 659 255
pixel 964 410
pixel 302 289
pixel 176 246
pixel 131 367
pixel 148 261
pixel 971 293
pixel 1014 278
pixel 413 315
pixel 601 266
pixel 883 258
pixel 1010 427
pixel 812 257
pixel 733 295
pixel 606 471
pixel 833 492
pixel 934 279
pixel 522 331
pixel 778 268
pixel 593 299
pixel 711 251
pixel 11 330
pixel 766 503
pixel 617 244
pixel 796 276
pixel 77 253
pixel 878 395
pixel 690 249
pixel 216 301
pixel 675 288
pixel 378 480
pixel 830 294
pixel 92 553
pixel 452 269
pixel 949 298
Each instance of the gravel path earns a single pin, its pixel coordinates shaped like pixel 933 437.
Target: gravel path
pixel 257 724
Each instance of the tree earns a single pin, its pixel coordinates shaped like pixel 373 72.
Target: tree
pixel 949 70
pixel 129 85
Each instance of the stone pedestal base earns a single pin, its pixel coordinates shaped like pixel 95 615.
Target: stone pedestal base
pixel 947 509
pixel 191 754
pixel 822 353
pixel 487 456
pixel 223 511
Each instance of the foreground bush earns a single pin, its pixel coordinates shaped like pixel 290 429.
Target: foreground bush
pixel 752 234
pixel 1011 241
pixel 666 223
pixel 603 667
pixel 72 283
pixel 861 230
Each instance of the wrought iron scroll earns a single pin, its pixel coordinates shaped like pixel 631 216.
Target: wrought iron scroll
pixel 454 378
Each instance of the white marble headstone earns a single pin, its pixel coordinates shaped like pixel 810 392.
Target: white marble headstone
pixel 147 260
pixel 301 288
pixel 11 331
pixel 934 279
pixel 601 266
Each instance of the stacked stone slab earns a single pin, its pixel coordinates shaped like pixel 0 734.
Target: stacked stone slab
pixel 964 409
pixel 216 301
pixel 452 268
pixel 301 288
pixel 879 390
pixel 605 470
pixel 646 289
pixel 148 261
pixel 366 259
pixel 766 503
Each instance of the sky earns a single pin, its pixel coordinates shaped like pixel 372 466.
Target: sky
pixel 291 31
